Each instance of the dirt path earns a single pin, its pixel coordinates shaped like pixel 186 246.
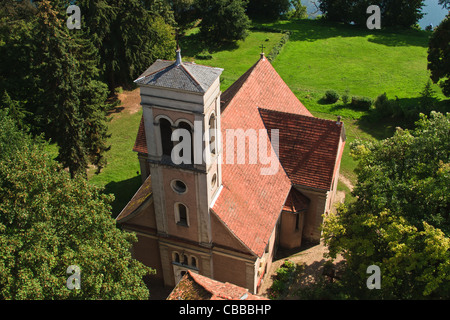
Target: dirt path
pixel 347 182
pixel 130 102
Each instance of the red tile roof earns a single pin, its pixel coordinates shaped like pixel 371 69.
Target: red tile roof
pixel 262 86
pixel 140 145
pixel 296 201
pixel 197 287
pixel 308 147
pixel 250 203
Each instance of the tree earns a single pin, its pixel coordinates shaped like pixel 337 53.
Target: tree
pixel 51 79
pixel 49 222
pixel 336 11
pixel 298 11
pixel 130 35
pixel 439 56
pixel 16 109
pixel 393 12
pixel 223 20
pixel 267 9
pixel 59 81
pixel 445 4
pixel 184 12
pixel 401 218
pixel 401 13
pixel 17 49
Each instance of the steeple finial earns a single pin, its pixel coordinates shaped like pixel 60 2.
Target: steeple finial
pixel 262 51
pixel 178 59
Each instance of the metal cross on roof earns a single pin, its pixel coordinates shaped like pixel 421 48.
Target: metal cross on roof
pixel 262 48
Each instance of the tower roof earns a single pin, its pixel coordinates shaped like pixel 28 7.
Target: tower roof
pixel 179 75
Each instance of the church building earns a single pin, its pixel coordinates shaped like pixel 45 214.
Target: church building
pixel 224 214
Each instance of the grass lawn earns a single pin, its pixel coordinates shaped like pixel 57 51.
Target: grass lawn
pixel 235 59
pixel 121 176
pixel 317 58
pixel 322 56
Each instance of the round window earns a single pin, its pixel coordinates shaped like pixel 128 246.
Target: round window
pixel 179 186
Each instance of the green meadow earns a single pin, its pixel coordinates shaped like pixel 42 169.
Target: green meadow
pixel 317 58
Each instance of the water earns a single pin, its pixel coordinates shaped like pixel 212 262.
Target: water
pixel 434 12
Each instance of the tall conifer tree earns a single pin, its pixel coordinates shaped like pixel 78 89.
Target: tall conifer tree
pixel 71 101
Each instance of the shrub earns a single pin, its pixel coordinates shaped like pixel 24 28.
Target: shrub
pixel 361 102
pixel 285 274
pixel 383 106
pixel 331 96
pixel 345 97
pixel 277 49
pixel 204 55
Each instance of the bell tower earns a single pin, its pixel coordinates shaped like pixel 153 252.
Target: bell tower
pixel 181 115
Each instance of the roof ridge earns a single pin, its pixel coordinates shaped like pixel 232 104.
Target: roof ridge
pixel 296 114
pixel 192 76
pixel 239 84
pixel 154 72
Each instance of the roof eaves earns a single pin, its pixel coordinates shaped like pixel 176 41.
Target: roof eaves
pixel 231 231
pixel 120 218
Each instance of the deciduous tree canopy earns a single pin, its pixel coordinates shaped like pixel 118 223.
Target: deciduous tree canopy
pixel 439 56
pixel 401 218
pixel 393 12
pixel 223 20
pixel 49 222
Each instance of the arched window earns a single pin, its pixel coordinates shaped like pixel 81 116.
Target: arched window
pixel 177 257
pixel 166 136
pixel 181 215
pixel 193 262
pixel 187 126
pixel 185 260
pixel 212 134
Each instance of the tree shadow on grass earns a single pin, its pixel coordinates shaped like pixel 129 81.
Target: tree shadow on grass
pixel 312 30
pixel 193 45
pixel 123 192
pixel 407 113
pixel 406 38
pixel 378 128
